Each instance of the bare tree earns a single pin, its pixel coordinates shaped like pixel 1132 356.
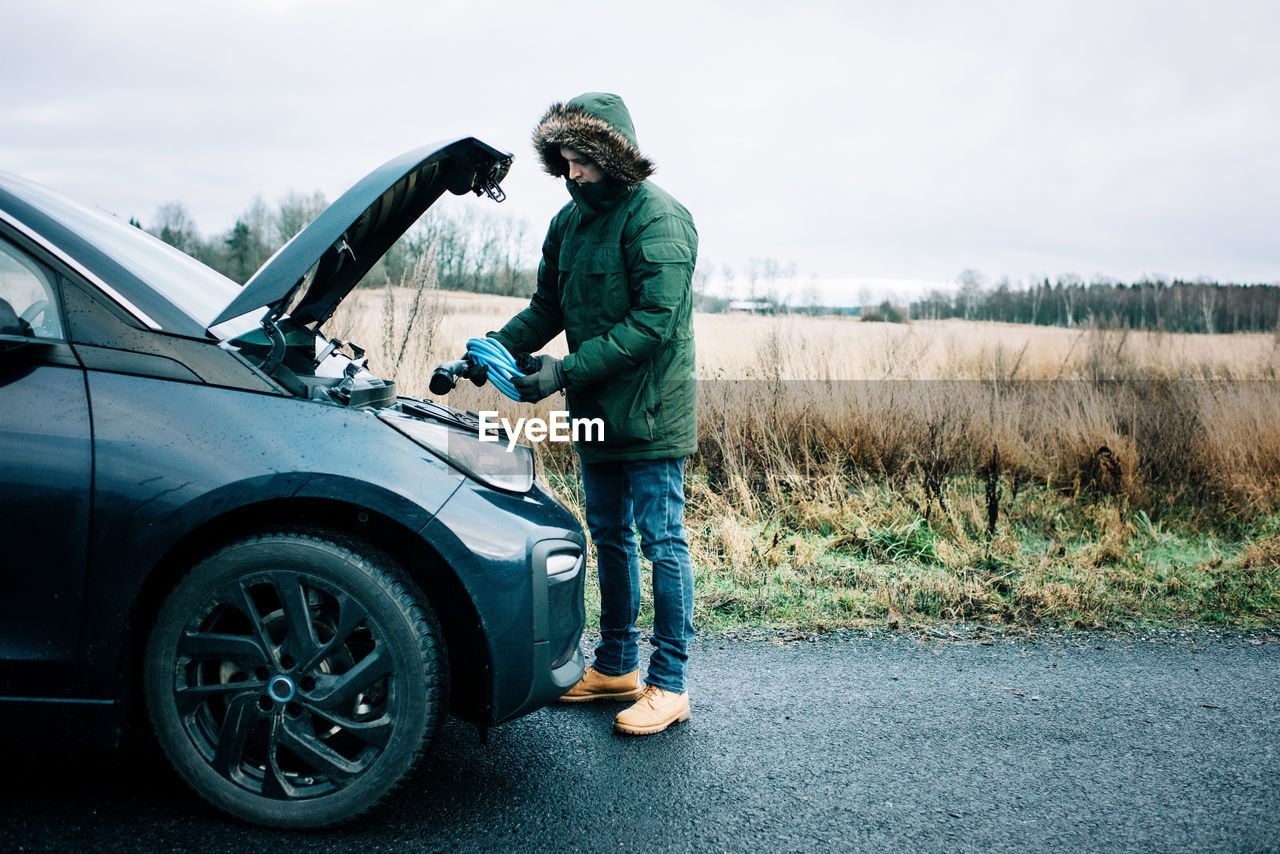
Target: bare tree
pixel 970 282
pixel 174 226
pixel 770 271
pixel 701 275
pixel 789 277
pixel 753 276
pixel 811 296
pixel 295 212
pixel 1071 286
pixel 1208 302
pixel 728 281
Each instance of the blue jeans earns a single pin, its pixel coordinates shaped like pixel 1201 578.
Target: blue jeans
pixel 648 494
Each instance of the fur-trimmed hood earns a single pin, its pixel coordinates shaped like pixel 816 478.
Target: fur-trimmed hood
pixel 598 125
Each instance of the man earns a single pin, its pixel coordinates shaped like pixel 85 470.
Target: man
pixel 616 272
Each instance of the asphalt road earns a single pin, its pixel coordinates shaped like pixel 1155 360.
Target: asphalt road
pixel 1098 742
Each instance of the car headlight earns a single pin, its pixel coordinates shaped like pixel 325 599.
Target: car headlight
pixel 488 462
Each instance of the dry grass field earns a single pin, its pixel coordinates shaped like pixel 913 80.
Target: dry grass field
pixel 948 470
pixel 737 346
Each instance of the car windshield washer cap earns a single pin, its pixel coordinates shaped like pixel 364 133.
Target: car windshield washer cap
pixel 349 237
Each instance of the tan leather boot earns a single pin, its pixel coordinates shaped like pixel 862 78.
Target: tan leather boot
pixel 595 685
pixel 653 712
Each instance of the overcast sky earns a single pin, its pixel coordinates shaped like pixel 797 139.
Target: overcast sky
pixel 889 141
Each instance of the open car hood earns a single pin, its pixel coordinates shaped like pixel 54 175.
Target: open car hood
pixel 349 237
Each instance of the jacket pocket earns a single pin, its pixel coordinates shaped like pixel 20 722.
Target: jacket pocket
pixel 666 252
pixel 624 406
pixel 606 298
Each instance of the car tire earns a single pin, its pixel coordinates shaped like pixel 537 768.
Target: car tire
pixel 295 680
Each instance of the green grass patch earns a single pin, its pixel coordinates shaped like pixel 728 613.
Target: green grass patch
pixel 1054 559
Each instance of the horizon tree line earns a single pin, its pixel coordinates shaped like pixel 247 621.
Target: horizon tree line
pixel 1172 305
pixel 486 252
pixel 474 250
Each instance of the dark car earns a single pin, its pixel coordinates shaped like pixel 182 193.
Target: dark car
pixel 211 512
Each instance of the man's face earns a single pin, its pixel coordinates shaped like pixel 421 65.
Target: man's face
pixel 582 169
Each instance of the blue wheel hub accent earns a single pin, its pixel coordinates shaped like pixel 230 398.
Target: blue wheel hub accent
pixel 281 689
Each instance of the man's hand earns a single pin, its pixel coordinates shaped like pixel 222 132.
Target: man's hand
pixel 536 385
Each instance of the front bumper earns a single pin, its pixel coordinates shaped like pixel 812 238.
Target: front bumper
pixel 558 620
pixel 522 561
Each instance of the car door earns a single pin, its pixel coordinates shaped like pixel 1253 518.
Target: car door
pixel 46 471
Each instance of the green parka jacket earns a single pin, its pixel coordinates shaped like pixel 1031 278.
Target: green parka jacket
pixel 616 276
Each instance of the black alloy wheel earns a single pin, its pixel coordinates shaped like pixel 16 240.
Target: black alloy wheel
pixel 295 680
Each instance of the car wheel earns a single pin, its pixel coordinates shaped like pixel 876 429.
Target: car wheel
pixel 294 680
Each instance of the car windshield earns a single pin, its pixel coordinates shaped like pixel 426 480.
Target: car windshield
pixel 197 290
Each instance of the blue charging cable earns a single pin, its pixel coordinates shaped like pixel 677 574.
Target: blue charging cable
pixel 500 363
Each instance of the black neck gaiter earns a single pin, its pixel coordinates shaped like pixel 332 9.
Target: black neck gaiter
pixel 597 198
